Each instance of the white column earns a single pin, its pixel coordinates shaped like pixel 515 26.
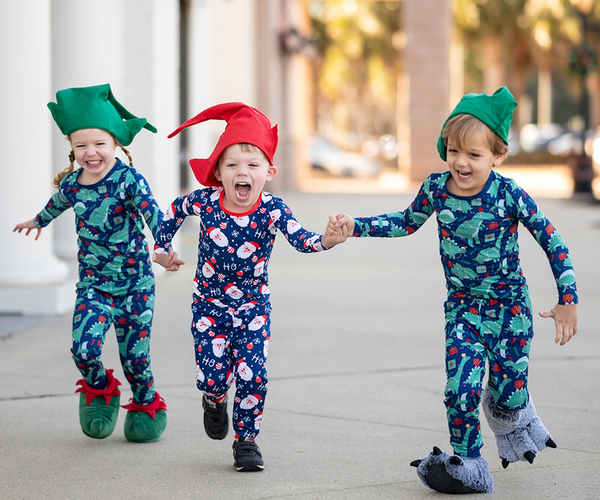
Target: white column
pixel 150 88
pixel 30 274
pixel 71 50
pixel 221 65
pixel 269 86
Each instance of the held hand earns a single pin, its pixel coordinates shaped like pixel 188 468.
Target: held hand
pixel 332 238
pixel 174 261
pixel 344 220
pixel 565 319
pixel 29 225
pixel 162 259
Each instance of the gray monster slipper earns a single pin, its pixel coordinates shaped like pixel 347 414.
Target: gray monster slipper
pixel 452 474
pixel 519 434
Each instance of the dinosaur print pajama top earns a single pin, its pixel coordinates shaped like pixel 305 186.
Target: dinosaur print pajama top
pixel 116 283
pixel 487 311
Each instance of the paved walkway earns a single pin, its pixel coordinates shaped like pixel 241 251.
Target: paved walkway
pixel 356 381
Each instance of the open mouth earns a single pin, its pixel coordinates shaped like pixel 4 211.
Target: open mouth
pixel 242 190
pixel 463 175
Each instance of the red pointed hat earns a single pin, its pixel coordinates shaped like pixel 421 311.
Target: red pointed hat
pixel 244 124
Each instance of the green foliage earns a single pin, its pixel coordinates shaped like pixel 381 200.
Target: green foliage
pixel 358 44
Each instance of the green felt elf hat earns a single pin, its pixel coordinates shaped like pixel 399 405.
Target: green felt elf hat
pixel 494 110
pixel 95 107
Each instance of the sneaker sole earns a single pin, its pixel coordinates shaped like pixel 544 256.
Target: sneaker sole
pixel 250 468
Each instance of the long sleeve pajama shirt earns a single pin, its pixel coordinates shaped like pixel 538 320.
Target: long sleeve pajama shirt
pixel 230 306
pixel 488 311
pixel 116 283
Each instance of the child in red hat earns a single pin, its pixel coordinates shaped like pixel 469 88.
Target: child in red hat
pixel 238 224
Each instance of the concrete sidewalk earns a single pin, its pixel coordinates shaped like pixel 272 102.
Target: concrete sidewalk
pixel 356 381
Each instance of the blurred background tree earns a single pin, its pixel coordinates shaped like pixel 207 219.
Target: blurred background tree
pixel 357 69
pixel 543 50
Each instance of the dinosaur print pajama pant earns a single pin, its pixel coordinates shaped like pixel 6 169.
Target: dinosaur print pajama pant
pixel 499 331
pixel 131 315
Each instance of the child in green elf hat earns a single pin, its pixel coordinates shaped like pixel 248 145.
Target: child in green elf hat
pixel 116 285
pixel 488 310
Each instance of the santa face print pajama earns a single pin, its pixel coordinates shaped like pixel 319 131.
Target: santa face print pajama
pixel 233 345
pixel 231 307
pixel 488 312
pixel 116 283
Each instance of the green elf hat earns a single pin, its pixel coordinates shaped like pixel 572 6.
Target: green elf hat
pixel 495 111
pixel 95 107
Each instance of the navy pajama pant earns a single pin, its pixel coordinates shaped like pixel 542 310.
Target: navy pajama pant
pixel 231 345
pixel 492 330
pixel 131 315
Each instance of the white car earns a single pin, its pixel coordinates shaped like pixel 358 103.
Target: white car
pixel 323 155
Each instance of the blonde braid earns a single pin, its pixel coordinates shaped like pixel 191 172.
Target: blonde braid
pixel 59 177
pixel 126 151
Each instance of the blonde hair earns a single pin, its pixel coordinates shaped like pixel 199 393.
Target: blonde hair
pixel 61 175
pixel 246 147
pixel 461 127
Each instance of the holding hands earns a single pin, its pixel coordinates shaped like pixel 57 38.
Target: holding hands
pixel 339 227
pixel 565 319
pixel 171 261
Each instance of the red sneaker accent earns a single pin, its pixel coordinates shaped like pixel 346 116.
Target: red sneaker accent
pixel 151 409
pixel 108 392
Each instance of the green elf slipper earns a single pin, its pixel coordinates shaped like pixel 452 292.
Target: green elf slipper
pixel 99 408
pixel 146 423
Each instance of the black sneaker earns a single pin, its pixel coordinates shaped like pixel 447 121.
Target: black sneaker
pixel 247 456
pixel 216 419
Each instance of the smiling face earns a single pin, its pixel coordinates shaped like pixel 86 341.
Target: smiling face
pixel 243 171
pixel 94 151
pixel 470 161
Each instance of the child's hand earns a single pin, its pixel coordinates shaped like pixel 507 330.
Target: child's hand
pixel 171 261
pixel 565 319
pixel 29 225
pixel 174 261
pixel 336 232
pixel 337 221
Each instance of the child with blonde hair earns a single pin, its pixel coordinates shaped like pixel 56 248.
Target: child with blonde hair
pixel 488 310
pixel 231 304
pixel 116 285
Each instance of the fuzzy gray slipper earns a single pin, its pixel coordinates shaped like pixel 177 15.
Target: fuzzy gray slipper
pixel 452 474
pixel 520 435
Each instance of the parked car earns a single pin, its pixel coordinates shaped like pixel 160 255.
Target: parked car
pixel 326 156
pixel 535 137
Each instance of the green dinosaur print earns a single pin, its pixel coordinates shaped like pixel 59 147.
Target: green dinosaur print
pixel 520 325
pixel 458 205
pixel 446 217
pixel 475 376
pixel 453 384
pixel 518 399
pixel 520 365
pixel 462 272
pixel 566 279
pixel 144 318
pixel 470 228
pixel 99 217
pixel 450 248
pixel 140 348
